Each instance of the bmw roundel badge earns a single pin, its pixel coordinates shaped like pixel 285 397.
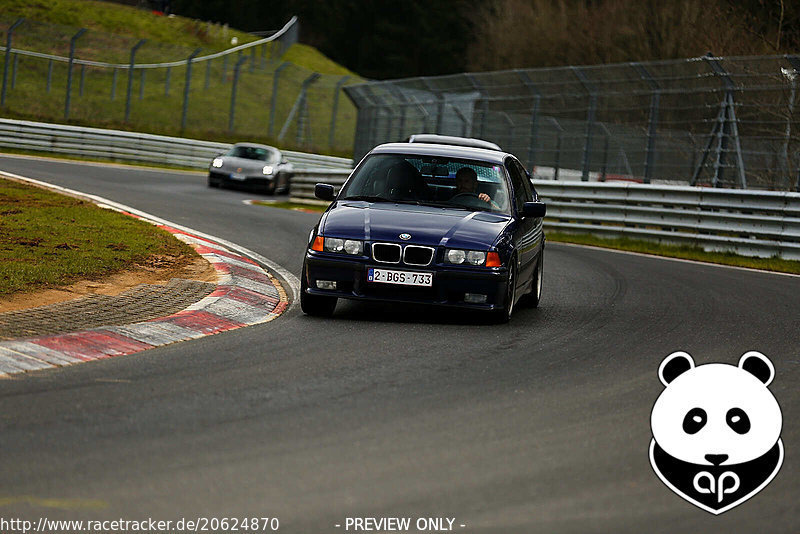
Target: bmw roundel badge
pixel 405 237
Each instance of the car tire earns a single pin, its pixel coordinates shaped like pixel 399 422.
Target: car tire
pixel 533 298
pixel 315 305
pixel 212 182
pixel 503 315
pixel 269 189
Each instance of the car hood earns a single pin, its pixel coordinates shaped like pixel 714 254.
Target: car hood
pixel 427 225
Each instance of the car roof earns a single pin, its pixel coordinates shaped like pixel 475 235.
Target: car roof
pixel 453 140
pixel 448 151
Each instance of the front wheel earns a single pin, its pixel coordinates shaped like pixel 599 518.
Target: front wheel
pixel 315 305
pixel 503 315
pixel 212 182
pixel 533 298
pixel 269 189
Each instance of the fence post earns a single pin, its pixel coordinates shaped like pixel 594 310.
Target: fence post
pixel 49 74
pixel 9 35
pixel 440 105
pixel 299 105
pixel 130 78
pixel 208 74
pixel 727 121
pixel 186 87
pixel 791 76
pixel 236 68
pixel 224 67
pixel 484 104
pixel 142 78
pixel 69 69
pixel 587 142
pixel 557 163
pixel 275 96
pixel 534 116
pixel 114 83
pixel 14 71
pixel 336 92
pixel 652 121
pixel 403 105
pixel 606 137
pixel 166 81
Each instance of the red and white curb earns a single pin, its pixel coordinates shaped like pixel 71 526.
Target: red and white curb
pixel 246 294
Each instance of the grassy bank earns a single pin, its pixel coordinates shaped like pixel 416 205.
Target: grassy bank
pixel 99 94
pixel 49 240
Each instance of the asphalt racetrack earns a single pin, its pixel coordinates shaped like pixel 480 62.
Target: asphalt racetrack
pixel 541 425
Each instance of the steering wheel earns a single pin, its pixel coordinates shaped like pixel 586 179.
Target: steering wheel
pixel 472 200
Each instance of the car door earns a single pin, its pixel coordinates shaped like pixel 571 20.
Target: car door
pixel 525 232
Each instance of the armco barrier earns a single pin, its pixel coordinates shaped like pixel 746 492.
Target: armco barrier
pixel 133 146
pixel 747 222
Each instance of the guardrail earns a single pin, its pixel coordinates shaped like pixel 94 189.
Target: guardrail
pixel 133 146
pixel 747 222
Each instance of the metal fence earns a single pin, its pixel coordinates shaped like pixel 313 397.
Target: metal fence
pixel 749 223
pixel 133 146
pixel 724 122
pixel 60 73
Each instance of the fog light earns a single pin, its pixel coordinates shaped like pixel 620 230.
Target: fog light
pixel 473 298
pixel 330 284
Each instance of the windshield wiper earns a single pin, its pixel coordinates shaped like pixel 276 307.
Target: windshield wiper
pixel 367 198
pixel 442 204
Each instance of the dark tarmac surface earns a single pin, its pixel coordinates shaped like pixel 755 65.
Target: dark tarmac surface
pixel 541 425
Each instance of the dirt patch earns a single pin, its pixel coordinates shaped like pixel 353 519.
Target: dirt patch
pixel 157 270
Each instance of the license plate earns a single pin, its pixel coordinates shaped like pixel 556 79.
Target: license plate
pixel 404 278
pixel 235 176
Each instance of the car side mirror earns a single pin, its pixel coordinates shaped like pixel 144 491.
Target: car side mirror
pixel 534 209
pixel 324 192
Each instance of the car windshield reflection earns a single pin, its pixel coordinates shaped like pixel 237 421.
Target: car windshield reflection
pixel 437 181
pixel 255 153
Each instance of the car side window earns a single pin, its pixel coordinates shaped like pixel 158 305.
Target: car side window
pixel 530 196
pixel 517 181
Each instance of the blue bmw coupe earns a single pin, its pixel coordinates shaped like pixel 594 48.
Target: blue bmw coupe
pixel 437 224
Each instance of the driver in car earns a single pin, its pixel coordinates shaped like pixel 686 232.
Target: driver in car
pixel 467 183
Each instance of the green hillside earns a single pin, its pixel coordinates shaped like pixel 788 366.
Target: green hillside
pixel 36 87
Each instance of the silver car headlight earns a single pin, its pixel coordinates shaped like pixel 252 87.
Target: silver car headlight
pixel 467 257
pixel 347 246
pixel 217 163
pixel 267 169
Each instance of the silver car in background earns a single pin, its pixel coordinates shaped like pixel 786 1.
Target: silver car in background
pixel 261 167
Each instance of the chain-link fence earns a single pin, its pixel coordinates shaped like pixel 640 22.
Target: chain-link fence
pixel 726 122
pixel 66 74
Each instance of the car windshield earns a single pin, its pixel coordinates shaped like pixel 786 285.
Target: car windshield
pixel 440 181
pixel 254 152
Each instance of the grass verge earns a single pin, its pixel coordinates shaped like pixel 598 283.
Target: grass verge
pixel 49 240
pixel 678 251
pixel 297 206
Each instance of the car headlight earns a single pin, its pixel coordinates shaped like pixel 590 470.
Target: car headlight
pixel 347 246
pixel 267 169
pixel 468 257
pixel 217 163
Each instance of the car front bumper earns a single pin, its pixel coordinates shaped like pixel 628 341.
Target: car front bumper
pixel 450 283
pixel 256 179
